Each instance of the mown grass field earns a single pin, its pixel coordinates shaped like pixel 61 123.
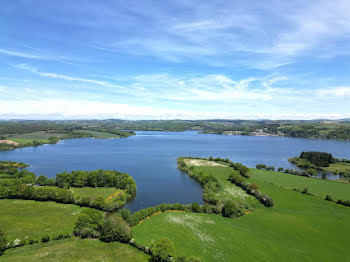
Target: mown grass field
pixel 34 219
pixel 315 186
pixel 298 228
pixel 97 134
pixel 75 249
pixel 103 192
pixel 228 190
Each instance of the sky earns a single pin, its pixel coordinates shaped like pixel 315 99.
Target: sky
pixel 179 59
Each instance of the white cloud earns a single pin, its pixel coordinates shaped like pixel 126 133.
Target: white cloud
pixel 79 109
pixel 342 91
pixel 20 54
pixel 66 77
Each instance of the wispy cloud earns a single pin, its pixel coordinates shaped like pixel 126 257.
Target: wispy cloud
pixel 66 77
pixel 20 54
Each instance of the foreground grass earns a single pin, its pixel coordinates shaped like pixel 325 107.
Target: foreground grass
pixel 315 186
pixel 298 228
pixel 75 249
pixel 21 218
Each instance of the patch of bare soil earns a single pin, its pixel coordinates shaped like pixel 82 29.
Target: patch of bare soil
pixel 201 162
pixel 9 142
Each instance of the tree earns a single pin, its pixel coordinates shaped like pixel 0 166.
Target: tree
pixel 230 209
pixel 89 223
pixel 28 179
pixel 162 250
pixel 195 207
pixel 3 242
pixel 252 186
pixel 116 229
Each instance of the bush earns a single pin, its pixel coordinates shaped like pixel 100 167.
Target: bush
pixel 252 186
pixel 125 214
pixel 89 223
pixel 195 207
pixel 45 239
pixel 116 229
pixel 266 201
pixel 305 191
pixel 230 209
pixel 329 198
pixel 32 241
pixel 3 242
pixel 162 250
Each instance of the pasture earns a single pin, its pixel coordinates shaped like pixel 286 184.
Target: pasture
pixel 33 219
pixel 75 249
pixel 318 187
pixel 298 227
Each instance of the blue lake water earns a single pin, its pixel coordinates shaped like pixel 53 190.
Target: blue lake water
pixel 150 158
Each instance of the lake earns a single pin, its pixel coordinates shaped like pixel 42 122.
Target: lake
pixel 150 158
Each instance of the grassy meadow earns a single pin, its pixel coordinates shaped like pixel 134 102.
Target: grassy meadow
pixel 298 227
pixel 318 187
pixel 75 249
pixel 103 192
pixel 40 136
pixel 228 190
pixel 97 134
pixel 34 219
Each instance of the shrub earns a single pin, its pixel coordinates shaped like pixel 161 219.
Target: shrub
pixel 252 186
pixel 32 241
pixel 125 214
pixel 305 191
pixel 266 201
pixel 45 239
pixel 116 229
pixel 195 207
pixel 3 242
pixel 162 250
pixel 89 223
pixel 230 209
pixel 329 198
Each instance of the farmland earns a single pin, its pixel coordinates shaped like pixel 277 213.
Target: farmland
pixel 32 219
pixel 75 249
pixel 296 228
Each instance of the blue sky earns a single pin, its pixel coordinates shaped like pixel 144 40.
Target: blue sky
pixel 174 59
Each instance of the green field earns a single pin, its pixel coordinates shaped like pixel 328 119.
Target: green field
pixel 97 134
pixel 75 249
pixel 34 219
pixel 228 190
pixel 103 192
pixel 298 227
pixel 24 141
pixel 315 186
pixel 36 136
pixel 338 167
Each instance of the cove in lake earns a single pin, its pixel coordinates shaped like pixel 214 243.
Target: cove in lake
pixel 150 158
